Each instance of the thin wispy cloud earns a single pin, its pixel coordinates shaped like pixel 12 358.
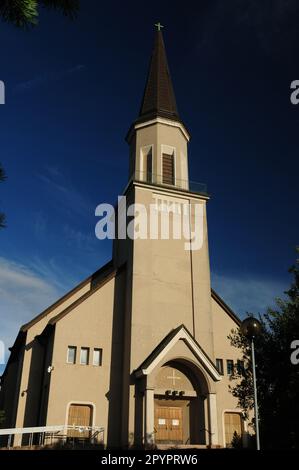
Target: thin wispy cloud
pixel 23 294
pixel 54 171
pixel 248 294
pixel 39 224
pixel 63 190
pixel 86 242
pixel 30 286
pixel 47 77
pixel 52 270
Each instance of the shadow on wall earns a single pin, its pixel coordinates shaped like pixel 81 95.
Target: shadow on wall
pixel 116 363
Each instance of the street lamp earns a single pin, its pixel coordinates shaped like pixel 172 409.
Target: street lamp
pixel 251 328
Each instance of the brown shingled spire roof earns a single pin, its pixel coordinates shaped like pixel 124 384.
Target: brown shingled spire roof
pixel 158 98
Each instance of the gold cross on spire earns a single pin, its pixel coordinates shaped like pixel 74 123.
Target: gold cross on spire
pixel 159 26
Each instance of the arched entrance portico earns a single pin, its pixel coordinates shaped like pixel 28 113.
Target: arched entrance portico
pixel 176 384
pixel 179 405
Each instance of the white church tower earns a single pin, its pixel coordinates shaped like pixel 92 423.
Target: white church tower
pixel 168 286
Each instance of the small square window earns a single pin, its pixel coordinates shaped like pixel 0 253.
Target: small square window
pixel 230 366
pixel 84 356
pixel 71 354
pixel 97 357
pixel 219 365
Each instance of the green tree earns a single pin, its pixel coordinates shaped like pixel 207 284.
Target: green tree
pixel 277 376
pixel 24 13
pixel 2 216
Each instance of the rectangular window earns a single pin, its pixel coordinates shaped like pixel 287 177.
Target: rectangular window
pixel 84 356
pixel 240 367
pixel 219 366
pixel 97 357
pixel 149 167
pixel 71 354
pixel 168 168
pixel 230 366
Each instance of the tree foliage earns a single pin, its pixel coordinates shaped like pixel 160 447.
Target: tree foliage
pixel 277 377
pixel 24 13
pixel 2 216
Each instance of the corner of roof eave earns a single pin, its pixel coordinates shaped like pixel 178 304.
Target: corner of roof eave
pixel 162 120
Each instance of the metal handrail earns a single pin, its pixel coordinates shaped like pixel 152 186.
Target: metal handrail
pixel 158 180
pixel 52 431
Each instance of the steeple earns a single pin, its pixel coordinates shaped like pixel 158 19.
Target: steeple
pixel 158 98
pixel 158 138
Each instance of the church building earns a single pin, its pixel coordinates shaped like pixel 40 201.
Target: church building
pixel 141 346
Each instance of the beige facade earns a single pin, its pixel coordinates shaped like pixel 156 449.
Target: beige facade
pixel 134 347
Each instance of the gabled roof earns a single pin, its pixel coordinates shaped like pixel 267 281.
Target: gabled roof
pixel 158 98
pixel 101 282
pixel 225 307
pixel 180 333
pixel 20 342
pixel 94 279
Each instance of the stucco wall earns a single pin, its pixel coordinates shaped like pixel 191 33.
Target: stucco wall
pixel 222 326
pixel 95 323
pixel 28 366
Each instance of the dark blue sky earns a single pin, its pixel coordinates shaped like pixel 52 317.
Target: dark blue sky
pixel 72 91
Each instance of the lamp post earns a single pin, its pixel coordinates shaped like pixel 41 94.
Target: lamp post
pixel 251 328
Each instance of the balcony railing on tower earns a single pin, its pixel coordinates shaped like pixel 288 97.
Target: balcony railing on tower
pixel 175 183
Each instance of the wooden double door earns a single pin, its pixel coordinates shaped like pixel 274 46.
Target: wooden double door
pixel 79 415
pixel 169 424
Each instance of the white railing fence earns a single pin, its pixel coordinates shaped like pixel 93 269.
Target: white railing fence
pixel 48 435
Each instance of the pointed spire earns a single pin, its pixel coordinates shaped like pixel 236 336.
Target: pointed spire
pixel 158 98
